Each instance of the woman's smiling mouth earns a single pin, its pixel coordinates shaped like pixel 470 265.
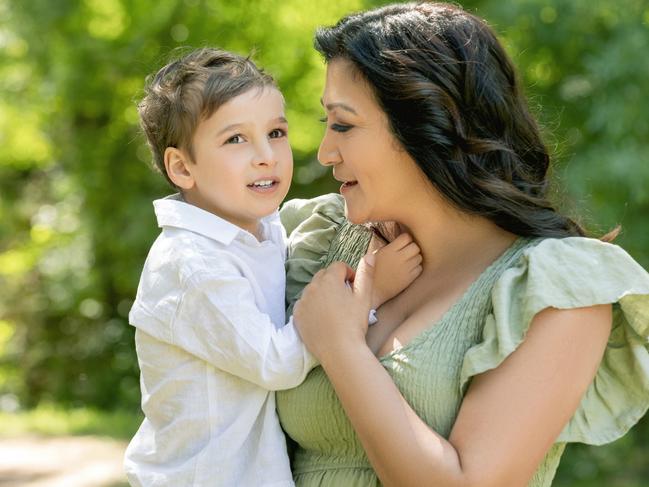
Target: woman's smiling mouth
pixel 347 185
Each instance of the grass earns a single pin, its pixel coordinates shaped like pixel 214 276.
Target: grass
pixel 50 420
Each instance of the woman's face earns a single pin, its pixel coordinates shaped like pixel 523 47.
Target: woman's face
pixel 379 179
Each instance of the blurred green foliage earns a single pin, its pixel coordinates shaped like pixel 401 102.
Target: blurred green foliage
pixel 75 188
pixel 51 420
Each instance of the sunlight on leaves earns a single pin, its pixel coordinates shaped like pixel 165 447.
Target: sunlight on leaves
pixel 107 18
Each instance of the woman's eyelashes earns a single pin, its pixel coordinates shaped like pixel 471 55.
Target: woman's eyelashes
pixel 337 127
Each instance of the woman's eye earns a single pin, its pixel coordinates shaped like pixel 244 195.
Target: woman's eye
pixel 235 139
pixel 339 127
pixel 277 133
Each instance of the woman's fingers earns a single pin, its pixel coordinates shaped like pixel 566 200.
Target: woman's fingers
pixel 339 271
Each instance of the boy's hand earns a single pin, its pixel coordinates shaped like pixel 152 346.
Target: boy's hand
pixel 397 265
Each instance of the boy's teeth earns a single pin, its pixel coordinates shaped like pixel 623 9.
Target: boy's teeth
pixel 263 183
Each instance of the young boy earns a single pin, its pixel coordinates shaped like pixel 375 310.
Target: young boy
pixel 211 337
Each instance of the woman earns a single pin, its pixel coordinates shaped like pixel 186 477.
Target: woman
pixel 520 334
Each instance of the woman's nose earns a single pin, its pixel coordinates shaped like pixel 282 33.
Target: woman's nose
pixel 328 153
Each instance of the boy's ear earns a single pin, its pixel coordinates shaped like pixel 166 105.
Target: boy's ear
pixel 177 166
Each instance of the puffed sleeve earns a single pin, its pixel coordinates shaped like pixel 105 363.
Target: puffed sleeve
pixel 318 234
pixel 571 273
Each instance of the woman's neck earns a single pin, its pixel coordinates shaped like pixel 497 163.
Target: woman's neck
pixel 455 246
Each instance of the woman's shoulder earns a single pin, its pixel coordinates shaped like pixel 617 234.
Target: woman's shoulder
pixel 312 226
pixel 582 250
pixel 325 210
pixel 574 270
pixel 571 273
pixel 319 232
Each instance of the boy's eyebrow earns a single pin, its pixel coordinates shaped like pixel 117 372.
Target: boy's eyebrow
pixel 237 125
pixel 228 128
pixel 331 106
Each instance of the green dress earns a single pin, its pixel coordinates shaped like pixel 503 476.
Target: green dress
pixel 481 329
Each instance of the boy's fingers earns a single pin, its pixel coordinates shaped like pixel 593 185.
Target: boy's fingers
pixel 416 270
pixel 376 245
pixel 403 240
pixel 400 242
pixel 364 279
pixel 411 250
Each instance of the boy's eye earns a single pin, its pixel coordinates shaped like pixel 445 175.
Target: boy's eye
pixel 277 133
pixel 235 139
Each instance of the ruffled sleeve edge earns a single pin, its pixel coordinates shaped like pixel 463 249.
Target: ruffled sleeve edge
pixel 618 397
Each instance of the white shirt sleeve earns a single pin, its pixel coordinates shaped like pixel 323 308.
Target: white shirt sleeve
pixel 218 321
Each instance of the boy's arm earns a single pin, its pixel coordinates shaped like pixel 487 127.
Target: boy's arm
pixel 218 321
pixel 397 265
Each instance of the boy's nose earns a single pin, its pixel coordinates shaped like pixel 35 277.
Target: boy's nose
pixel 264 154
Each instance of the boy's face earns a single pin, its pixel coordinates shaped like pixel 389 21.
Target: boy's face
pixel 243 162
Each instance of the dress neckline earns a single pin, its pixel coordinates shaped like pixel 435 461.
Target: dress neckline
pixel 482 281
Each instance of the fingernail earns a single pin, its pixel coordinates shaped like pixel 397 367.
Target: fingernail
pixel 370 259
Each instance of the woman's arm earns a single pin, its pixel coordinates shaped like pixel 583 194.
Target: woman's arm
pixel 509 417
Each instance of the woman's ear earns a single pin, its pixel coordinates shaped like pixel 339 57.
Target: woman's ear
pixel 177 165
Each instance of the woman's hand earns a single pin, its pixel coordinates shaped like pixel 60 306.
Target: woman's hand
pixel 332 313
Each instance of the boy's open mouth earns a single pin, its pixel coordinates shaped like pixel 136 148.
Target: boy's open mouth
pixel 263 184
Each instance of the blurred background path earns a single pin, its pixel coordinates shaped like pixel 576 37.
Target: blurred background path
pixel 71 461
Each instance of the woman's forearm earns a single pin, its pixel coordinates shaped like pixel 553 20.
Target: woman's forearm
pixel 520 406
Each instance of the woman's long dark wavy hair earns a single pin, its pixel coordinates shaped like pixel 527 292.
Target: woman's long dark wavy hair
pixel 453 101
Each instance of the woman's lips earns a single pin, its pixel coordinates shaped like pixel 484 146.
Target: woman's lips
pixel 347 185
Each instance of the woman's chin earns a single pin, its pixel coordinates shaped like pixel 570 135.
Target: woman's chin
pixel 355 218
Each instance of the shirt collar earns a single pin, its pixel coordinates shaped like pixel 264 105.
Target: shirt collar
pixel 173 211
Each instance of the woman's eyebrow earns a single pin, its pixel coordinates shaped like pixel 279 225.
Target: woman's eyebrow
pixel 343 106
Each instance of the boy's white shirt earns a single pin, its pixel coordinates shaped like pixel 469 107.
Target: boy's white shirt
pixel 212 345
